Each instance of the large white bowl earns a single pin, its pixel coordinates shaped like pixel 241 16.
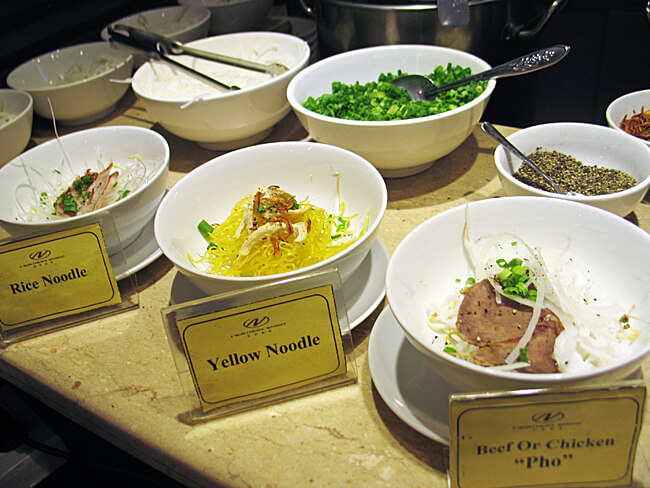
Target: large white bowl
pixel 212 117
pixel 84 100
pixel 16 132
pixel 627 105
pixel 590 144
pixel 396 148
pixel 228 16
pixel 307 170
pixel 181 23
pixel 85 149
pixel 426 264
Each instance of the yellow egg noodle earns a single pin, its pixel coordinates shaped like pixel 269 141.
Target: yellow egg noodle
pixel 269 232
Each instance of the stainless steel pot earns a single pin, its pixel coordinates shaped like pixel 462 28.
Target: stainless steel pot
pixel 348 24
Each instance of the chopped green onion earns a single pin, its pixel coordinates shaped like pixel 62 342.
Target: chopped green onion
pixel 523 355
pixel 205 228
pixel 449 350
pixel 514 278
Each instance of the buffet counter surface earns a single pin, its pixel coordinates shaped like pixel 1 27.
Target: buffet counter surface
pixel 116 376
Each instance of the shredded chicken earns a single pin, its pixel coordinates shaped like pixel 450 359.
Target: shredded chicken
pixel 86 193
pixel 270 213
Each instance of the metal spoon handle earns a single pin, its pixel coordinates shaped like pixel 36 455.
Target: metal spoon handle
pixel 178 48
pixel 524 64
pixel 491 131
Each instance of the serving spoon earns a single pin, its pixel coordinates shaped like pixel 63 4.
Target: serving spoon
pixel 491 131
pixel 421 87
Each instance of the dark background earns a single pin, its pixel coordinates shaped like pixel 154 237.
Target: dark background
pixel 609 39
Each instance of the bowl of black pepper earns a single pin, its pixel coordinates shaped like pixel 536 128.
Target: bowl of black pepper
pixel 593 164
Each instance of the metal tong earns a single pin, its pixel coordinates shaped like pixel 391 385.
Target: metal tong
pixel 159 47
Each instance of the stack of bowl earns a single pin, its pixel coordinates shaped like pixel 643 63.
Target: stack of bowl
pixel 181 23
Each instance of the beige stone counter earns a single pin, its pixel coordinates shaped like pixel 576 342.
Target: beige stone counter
pixel 116 376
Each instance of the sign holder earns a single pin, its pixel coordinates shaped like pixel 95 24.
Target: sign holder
pixel 54 280
pixel 582 436
pixel 250 348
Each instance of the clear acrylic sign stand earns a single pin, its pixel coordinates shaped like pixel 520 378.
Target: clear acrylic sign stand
pixel 63 278
pixel 245 349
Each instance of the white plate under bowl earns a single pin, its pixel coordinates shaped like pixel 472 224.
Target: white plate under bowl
pixel 362 292
pixel 404 380
pixel 140 253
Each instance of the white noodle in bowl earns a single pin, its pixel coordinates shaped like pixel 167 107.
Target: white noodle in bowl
pixel 31 183
pixel 576 253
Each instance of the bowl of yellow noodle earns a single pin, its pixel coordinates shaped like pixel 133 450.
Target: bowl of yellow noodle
pixel 269 212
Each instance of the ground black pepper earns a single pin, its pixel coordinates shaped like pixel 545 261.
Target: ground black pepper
pixel 572 175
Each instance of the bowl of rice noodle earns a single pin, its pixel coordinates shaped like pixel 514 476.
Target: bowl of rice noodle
pixel 270 212
pixel 524 292
pixel 77 84
pixel 116 175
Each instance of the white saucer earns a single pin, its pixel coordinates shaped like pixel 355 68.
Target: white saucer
pixel 411 389
pixel 140 253
pixel 362 292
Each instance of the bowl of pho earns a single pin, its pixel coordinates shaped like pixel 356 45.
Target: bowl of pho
pixel 524 292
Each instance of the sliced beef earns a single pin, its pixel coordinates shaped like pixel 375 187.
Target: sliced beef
pixel 497 327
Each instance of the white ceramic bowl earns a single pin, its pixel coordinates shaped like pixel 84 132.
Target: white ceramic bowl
pixel 86 149
pixel 396 148
pixel 16 114
pixel 425 266
pixel 590 144
pixel 210 116
pixel 627 105
pixel 228 16
pixel 307 170
pixel 72 78
pixel 181 23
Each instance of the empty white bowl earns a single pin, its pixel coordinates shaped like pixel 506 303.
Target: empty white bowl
pixel 304 169
pixel 397 148
pixel 430 263
pixel 588 143
pixel 43 168
pixel 628 104
pixel 16 114
pixel 228 16
pixel 181 23
pixel 77 80
pixel 214 118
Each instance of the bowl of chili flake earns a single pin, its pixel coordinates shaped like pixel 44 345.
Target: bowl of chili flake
pixel 630 114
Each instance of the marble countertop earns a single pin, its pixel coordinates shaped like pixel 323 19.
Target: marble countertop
pixel 116 376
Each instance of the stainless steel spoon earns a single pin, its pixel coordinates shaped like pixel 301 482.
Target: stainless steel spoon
pixel 491 131
pixel 422 88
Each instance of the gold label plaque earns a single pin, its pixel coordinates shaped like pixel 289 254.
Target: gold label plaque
pixel 581 438
pixel 55 275
pixel 263 348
